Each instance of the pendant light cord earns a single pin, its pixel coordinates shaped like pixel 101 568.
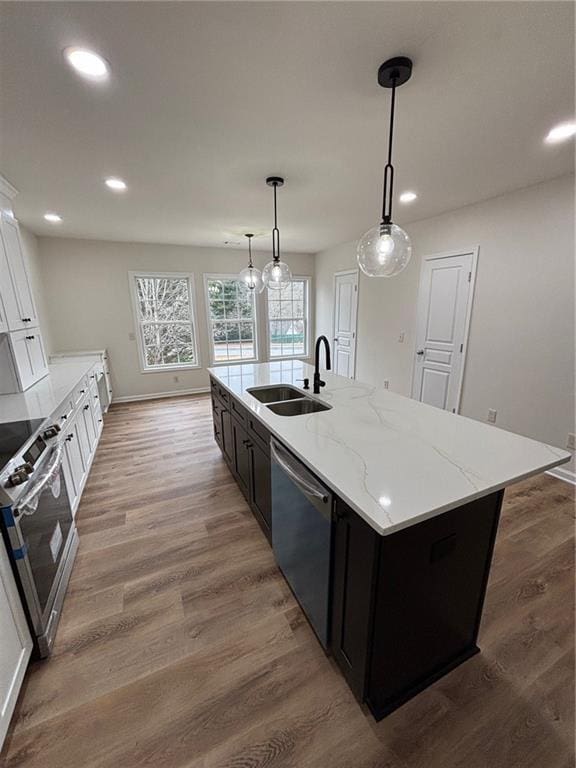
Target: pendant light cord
pixel 275 232
pixel 389 168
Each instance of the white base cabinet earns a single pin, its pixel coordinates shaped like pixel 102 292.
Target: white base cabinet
pixel 15 643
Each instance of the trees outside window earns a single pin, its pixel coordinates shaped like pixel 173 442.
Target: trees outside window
pixel 232 319
pixel 288 320
pixel 165 318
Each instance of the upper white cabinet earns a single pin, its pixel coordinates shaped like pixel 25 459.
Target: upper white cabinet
pixel 15 643
pixel 15 285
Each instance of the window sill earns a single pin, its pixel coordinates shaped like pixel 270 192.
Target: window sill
pixel 246 360
pixel 171 368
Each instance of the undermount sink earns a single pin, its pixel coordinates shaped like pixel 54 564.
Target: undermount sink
pixel 275 394
pixel 298 407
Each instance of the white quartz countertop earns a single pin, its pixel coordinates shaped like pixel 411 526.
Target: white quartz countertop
pixel 394 460
pixel 45 396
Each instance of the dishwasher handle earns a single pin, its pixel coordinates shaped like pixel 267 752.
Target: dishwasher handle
pixel 308 488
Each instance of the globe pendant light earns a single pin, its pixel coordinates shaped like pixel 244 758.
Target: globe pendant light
pixel 276 274
pixel 251 276
pixel 385 250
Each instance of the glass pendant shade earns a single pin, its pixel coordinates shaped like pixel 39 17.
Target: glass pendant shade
pixel 384 251
pixel 276 274
pixel 253 279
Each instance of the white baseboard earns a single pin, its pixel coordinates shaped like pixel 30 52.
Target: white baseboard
pixel 563 474
pixel 160 395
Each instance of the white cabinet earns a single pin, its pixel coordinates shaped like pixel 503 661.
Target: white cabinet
pixel 103 376
pixel 15 287
pixel 74 467
pixel 22 360
pixel 15 643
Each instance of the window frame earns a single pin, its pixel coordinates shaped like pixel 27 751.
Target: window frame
pixel 307 320
pixel 213 362
pixel 189 276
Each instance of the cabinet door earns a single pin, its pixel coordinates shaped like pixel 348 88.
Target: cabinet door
pixel 23 359
pixel 227 436
pixel 12 317
pixel 241 457
pixel 15 643
pixel 75 462
pixel 26 316
pixel 260 490
pixel 83 436
pixel 36 353
pixel 355 552
pixel 89 427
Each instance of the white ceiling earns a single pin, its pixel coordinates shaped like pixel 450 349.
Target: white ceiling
pixel 207 99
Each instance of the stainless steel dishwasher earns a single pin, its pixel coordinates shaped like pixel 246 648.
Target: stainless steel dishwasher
pixel 302 535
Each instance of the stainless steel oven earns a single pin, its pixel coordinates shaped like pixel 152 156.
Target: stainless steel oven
pixel 37 523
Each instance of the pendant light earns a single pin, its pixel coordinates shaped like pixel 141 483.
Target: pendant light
pixel 276 274
pixel 385 250
pixel 251 276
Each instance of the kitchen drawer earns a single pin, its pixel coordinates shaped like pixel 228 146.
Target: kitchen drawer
pixel 224 396
pixel 80 391
pixel 63 413
pixel 238 411
pixel 258 432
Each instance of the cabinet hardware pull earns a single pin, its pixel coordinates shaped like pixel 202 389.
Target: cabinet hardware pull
pixel 29 338
pixel 82 391
pixel 26 319
pixel 99 421
pixel 95 397
pixel 86 407
pixel 92 376
pixel 69 437
pixel 63 416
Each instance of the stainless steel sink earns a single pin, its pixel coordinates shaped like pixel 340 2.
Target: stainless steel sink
pixel 275 394
pixel 298 407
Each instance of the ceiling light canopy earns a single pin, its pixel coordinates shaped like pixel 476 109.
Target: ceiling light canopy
pixel 53 218
pixel 118 185
pixel 251 276
pixel 276 274
pixel 561 132
pixel 87 63
pixel 408 197
pixel 385 250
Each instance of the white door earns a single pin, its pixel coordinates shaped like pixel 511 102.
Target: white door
pixel 15 643
pixel 17 267
pixel 345 313
pixel 444 304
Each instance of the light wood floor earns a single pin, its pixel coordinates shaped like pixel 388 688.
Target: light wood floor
pixel 181 646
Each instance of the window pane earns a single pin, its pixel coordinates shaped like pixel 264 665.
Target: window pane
pixel 164 309
pixel 287 320
pixel 232 318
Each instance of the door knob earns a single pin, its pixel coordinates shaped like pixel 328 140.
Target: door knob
pixel 420 352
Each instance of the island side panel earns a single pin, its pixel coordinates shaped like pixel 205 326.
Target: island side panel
pixel 429 595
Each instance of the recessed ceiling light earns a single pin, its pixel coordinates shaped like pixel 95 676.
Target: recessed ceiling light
pixel 53 218
pixel 116 184
pixel 87 63
pixel 408 197
pixel 561 132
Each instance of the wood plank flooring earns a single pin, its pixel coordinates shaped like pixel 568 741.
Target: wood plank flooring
pixel 181 646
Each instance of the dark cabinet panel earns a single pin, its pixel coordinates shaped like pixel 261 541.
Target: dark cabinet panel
pixel 241 457
pixel 227 436
pixel 355 556
pixel 260 491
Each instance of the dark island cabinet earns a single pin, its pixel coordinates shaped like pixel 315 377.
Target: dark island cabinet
pixel 406 607
pixel 245 444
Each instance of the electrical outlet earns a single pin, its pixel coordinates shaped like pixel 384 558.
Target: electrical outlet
pixel 491 416
pixel 401 338
pixel 132 336
pixel 176 379
pixel 386 384
pixel 571 442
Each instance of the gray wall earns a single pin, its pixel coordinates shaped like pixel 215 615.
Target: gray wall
pixel 521 348
pixel 84 290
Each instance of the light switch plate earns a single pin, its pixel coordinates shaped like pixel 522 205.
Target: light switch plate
pixel 491 416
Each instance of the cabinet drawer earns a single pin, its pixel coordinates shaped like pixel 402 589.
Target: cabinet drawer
pixel 63 413
pixel 258 432
pixel 238 411
pixel 224 396
pixel 80 391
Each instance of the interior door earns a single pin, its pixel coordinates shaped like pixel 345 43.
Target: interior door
pixel 444 301
pixel 345 313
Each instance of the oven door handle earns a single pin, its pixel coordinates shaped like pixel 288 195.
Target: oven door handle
pixel 26 505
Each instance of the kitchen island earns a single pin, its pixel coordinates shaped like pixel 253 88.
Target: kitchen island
pixel 417 496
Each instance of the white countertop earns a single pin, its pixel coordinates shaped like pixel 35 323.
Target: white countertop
pixel 394 460
pixel 43 398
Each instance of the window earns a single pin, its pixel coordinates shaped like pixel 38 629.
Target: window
pixel 232 319
pixel 288 319
pixel 165 319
